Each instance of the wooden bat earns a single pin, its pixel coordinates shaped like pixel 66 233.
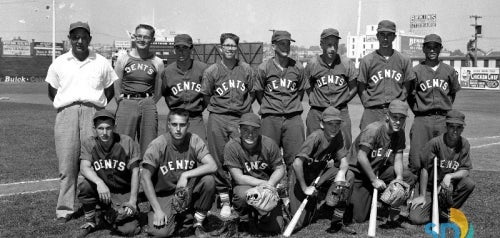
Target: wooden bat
pixel 372 224
pixel 296 216
pixel 435 204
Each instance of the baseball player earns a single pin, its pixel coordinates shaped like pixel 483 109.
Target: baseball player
pixel 109 162
pixel 181 84
pixel 454 164
pixel 376 159
pixel 384 75
pixel 228 90
pixel 331 81
pixel 138 88
pixel 324 149
pixel 279 89
pixel 178 159
pixel 431 96
pixel 79 83
pixel 253 160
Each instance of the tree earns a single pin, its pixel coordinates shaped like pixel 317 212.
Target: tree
pixel 457 52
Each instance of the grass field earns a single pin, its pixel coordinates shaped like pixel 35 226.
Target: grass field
pixel 27 153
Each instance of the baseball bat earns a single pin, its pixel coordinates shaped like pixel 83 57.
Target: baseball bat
pixel 296 216
pixel 435 204
pixel 372 224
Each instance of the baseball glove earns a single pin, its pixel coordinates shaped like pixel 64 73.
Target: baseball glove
pixel 445 197
pixel 396 193
pixel 118 213
pixel 181 199
pixel 263 197
pixel 337 193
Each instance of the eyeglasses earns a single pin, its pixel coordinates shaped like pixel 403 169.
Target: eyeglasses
pixel 230 46
pixel 78 37
pixel 142 37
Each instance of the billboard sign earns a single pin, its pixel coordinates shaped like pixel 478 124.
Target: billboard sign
pixel 422 23
pixel 45 48
pixel 16 47
pixel 412 45
pixel 479 78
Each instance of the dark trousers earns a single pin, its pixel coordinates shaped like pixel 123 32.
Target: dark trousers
pixel 424 128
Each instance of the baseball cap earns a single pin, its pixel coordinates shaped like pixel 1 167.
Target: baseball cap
pixel 281 35
pixel 455 116
pixel 330 114
pixel 432 38
pixel 79 24
pixel 183 39
pixel 250 119
pixel 386 25
pixel 330 32
pixel 398 106
pixel 105 114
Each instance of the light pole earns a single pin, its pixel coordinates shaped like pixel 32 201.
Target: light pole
pixel 53 30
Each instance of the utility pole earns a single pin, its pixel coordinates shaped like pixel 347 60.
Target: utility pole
pixel 477 31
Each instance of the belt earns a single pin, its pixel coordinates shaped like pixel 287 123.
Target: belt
pixel 382 106
pixel 285 115
pixel 340 107
pixel 195 114
pixel 435 112
pixel 137 95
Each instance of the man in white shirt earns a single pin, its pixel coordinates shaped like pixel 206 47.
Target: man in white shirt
pixel 80 83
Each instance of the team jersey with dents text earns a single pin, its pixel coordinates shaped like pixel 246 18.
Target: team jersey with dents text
pixel 183 89
pixel 329 85
pixel 230 90
pixel 113 164
pixel 281 89
pixel 380 147
pixel 259 164
pixel 433 89
pixel 450 160
pixel 170 161
pixel 384 78
pixel 318 148
pixel 138 75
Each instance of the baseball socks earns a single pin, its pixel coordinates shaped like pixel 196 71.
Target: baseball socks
pixel 226 205
pixel 90 220
pixel 199 231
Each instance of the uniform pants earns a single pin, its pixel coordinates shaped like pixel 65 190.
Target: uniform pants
pixel 138 117
pixel 314 118
pixel 424 128
pixel 73 125
pixel 220 128
pixel 89 197
pixel 197 126
pixel 297 195
pixel 361 198
pixel 273 222
pixel 462 190
pixel 287 131
pixel 372 115
pixel 201 201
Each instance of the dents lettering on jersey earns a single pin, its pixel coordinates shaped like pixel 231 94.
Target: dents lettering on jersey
pixel 387 74
pixel 433 83
pixel 179 165
pixel 449 164
pixel 380 153
pixel 282 83
pixel 185 86
pixel 330 79
pixel 255 165
pixel 109 164
pixel 138 66
pixel 229 84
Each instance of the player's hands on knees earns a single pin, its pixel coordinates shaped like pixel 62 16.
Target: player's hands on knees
pixel 160 219
pixel 129 210
pixel 104 194
pixel 310 191
pixel 379 184
pixel 420 200
pixel 446 181
pixel 182 182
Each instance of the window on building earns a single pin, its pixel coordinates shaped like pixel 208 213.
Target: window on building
pixel 353 47
pixel 497 64
pixel 353 40
pixel 364 46
pixel 486 63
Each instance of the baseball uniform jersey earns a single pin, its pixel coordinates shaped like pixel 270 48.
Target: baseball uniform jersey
pixel 138 75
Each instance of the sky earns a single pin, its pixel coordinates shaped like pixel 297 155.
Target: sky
pixel 252 20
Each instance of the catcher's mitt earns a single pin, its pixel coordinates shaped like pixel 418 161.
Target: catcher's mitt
pixel 445 197
pixel 118 213
pixel 181 199
pixel 263 197
pixel 337 193
pixel 396 193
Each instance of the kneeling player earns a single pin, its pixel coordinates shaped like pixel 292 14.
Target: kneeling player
pixel 110 165
pixel 177 180
pixel 376 159
pixel 454 164
pixel 324 149
pixel 256 166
